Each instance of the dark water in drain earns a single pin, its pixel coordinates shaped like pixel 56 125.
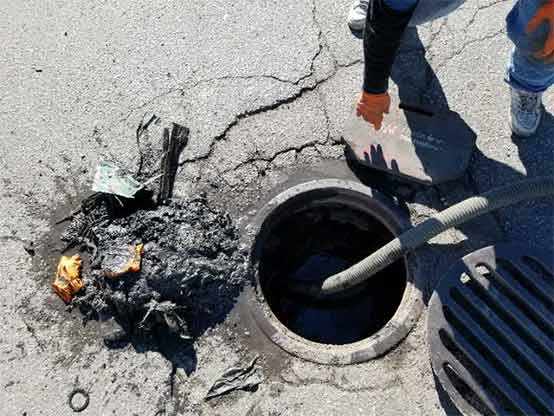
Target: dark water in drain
pixel 314 244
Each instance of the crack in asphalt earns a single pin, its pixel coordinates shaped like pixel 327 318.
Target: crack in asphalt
pixel 273 157
pixel 465 29
pixel 196 83
pixel 33 334
pixel 193 84
pixel 434 36
pixel 464 46
pixel 311 86
pixel 315 84
pixel 480 8
pixel 249 113
pixel 11 238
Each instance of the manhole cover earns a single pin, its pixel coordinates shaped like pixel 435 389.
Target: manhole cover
pixel 491 331
pixel 310 232
pixel 415 143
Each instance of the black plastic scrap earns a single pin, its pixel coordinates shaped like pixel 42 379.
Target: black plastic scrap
pixel 173 145
pixel 152 166
pixel 236 378
pixel 167 314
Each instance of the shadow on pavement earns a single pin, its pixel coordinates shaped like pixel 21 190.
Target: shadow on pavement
pixel 417 83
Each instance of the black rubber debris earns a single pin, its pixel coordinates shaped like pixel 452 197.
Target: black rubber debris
pixel 491 331
pixel 78 400
pixel 237 378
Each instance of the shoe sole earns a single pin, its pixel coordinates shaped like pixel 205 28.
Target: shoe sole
pixel 520 133
pixel 356 27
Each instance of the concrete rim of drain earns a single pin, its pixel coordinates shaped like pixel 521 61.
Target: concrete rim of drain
pixel 381 208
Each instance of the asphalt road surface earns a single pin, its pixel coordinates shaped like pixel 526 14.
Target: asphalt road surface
pixel 265 88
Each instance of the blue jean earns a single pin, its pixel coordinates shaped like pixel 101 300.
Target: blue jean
pixel 525 71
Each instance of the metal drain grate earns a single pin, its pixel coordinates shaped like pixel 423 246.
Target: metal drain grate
pixel 491 331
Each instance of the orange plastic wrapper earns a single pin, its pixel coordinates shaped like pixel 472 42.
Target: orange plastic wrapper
pixel 132 266
pixel 68 277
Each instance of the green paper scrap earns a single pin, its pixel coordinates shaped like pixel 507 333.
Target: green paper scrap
pixel 111 179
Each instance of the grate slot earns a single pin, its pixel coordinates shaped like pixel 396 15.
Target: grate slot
pixel 520 297
pixel 509 367
pixel 511 343
pixel 515 399
pixel 473 377
pixel 505 368
pixel 540 268
pixel 517 324
pixel 466 391
pixel 530 280
pixel 526 301
pixel 512 314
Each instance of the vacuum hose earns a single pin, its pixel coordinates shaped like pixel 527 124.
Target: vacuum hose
pixel 417 236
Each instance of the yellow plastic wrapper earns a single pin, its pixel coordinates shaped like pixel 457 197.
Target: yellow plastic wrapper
pixel 132 266
pixel 68 277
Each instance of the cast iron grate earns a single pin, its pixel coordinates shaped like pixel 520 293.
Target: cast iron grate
pixel 491 331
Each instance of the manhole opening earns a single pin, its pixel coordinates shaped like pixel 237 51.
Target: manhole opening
pixel 311 240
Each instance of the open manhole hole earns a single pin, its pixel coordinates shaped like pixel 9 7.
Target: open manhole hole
pixel 310 232
pixel 313 243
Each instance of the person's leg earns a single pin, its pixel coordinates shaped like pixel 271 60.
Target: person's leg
pixel 530 71
pixel 530 28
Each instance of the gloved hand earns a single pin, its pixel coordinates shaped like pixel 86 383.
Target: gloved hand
pixel 544 14
pixel 372 107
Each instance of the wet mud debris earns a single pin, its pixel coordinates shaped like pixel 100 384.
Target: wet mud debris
pixel 187 269
pixel 191 271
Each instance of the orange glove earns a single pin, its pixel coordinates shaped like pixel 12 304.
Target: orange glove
pixel 544 13
pixel 372 107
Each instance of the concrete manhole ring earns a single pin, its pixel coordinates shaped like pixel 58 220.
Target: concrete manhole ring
pixel 320 227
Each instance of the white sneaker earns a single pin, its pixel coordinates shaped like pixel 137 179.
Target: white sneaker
pixel 526 112
pixel 357 15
